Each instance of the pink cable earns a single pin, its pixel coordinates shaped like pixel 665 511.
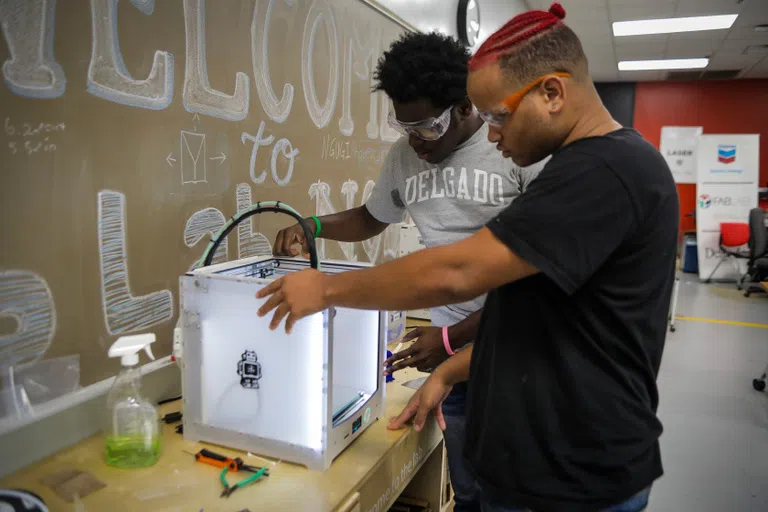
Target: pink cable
pixel 446 343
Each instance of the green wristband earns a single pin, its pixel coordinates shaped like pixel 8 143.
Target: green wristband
pixel 318 226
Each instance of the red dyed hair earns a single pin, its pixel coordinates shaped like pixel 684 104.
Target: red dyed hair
pixel 518 29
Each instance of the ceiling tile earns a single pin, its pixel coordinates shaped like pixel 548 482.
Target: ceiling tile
pixel 747 33
pixel 641 51
pixel 645 39
pixel 756 73
pixel 684 48
pixel 707 7
pixel 608 76
pixel 755 11
pixel 724 60
pixel 714 35
pixel 624 3
pixel 594 38
pixel 596 17
pixel 641 76
pixel 738 45
pixel 642 11
pixel 571 6
pixel 759 70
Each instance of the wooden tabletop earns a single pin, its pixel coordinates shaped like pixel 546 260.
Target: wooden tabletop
pixel 177 482
pixel 764 284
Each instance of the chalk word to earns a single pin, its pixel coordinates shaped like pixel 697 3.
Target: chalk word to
pixel 282 147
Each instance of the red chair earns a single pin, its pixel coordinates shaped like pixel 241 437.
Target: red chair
pixel 733 236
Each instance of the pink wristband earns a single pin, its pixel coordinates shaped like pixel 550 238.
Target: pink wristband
pixel 446 343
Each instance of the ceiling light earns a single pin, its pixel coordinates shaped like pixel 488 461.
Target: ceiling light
pixel 673 25
pixel 648 65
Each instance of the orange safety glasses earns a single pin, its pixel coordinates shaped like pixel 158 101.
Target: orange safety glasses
pixel 512 101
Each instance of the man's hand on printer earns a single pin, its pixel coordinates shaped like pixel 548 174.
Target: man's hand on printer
pixel 426 353
pixel 294 295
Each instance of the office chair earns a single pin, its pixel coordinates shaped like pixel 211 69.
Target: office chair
pixel 757 265
pixel 733 235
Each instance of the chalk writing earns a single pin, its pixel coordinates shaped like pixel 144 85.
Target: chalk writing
pixel 282 147
pixel 31 70
pixel 145 6
pixel 31 138
pixel 335 149
pixel 372 246
pixel 123 313
pixel 359 57
pixel 364 152
pixel 319 12
pixel 108 77
pixel 249 243
pixel 386 132
pixel 198 96
pixel 193 161
pixel 321 193
pixel 276 109
pixel 371 155
pixel 206 222
pixel 258 141
pixel 26 298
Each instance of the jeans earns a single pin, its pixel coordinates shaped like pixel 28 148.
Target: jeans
pixel 636 503
pixel 465 489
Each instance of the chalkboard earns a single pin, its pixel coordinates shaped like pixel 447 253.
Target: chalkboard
pixel 131 130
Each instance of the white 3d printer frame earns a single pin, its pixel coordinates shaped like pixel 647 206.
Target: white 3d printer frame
pixel 301 397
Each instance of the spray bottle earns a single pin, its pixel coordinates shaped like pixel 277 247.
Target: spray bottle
pixel 132 437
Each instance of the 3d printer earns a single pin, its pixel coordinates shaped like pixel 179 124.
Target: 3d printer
pixel 302 397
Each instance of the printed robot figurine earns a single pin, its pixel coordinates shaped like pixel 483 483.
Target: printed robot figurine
pixel 249 370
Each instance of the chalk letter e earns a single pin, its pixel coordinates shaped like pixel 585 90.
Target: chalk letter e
pixel 108 77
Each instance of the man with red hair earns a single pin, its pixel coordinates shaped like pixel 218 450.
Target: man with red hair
pixel 562 398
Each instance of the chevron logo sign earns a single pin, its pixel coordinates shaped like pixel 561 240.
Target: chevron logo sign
pixel 726 153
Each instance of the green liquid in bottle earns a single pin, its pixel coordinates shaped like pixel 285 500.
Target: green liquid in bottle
pixel 132 451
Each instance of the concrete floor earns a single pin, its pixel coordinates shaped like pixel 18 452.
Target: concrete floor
pixel 715 441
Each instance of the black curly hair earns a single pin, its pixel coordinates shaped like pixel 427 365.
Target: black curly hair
pixel 429 66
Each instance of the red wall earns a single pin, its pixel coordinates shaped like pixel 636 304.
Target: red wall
pixel 739 106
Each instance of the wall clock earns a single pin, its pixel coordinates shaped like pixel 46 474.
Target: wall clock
pixel 468 21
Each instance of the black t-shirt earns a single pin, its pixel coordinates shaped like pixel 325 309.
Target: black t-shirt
pixel 562 395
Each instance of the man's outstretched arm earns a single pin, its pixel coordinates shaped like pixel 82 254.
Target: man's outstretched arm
pixel 442 275
pixel 429 349
pixel 431 394
pixel 353 225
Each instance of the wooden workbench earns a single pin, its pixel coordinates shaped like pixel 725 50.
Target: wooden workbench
pixel 367 477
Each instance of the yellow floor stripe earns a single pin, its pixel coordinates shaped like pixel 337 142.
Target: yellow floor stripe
pixel 724 322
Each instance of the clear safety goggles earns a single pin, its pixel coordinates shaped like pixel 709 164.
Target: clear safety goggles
pixel 428 129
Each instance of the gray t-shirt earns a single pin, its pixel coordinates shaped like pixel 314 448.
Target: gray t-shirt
pixel 451 200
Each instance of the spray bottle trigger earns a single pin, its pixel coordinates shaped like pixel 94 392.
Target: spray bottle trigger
pixel 148 350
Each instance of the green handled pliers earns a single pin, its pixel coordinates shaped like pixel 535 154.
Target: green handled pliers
pixel 230 489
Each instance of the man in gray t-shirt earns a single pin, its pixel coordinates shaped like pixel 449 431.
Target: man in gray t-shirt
pixel 451 180
pixel 448 200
